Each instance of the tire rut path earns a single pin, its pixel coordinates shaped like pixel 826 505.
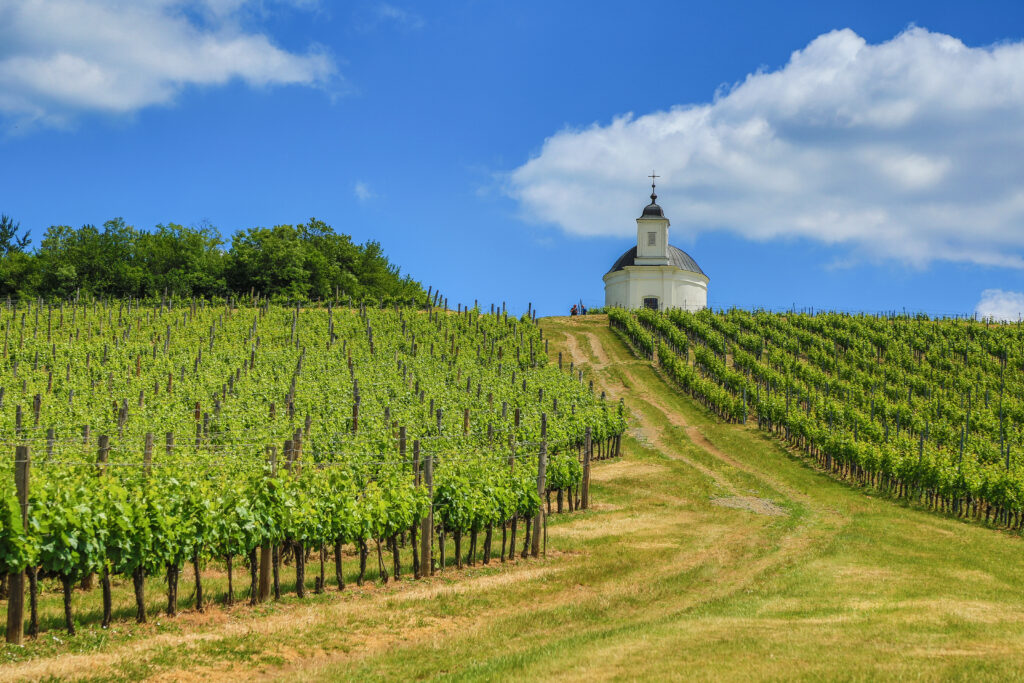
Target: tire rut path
pixel 602 363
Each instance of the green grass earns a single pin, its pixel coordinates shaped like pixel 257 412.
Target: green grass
pixel 655 581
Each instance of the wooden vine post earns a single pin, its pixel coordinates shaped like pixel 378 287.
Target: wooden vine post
pixel 147 452
pixel 542 459
pixel 587 445
pixel 512 467
pixel 16 582
pixel 266 550
pixel 417 481
pixel 102 454
pixel 427 528
pixel 293 451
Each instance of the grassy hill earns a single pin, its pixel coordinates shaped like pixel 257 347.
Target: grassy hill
pixel 710 552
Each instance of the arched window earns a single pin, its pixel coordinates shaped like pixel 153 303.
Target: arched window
pixel 651 302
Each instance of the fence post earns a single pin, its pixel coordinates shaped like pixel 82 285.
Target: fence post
pixel 542 458
pixel 506 524
pixel 513 437
pixel 587 445
pixel 266 550
pixel 16 582
pixel 427 530
pixel 103 453
pixel 416 479
pixel 297 448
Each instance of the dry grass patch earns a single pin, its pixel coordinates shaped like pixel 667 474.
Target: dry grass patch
pixel 759 506
pixel 609 471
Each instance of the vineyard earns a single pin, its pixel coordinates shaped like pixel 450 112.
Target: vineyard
pixel 927 410
pixel 146 440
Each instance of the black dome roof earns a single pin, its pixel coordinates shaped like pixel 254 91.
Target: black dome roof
pixel 676 257
pixel 652 210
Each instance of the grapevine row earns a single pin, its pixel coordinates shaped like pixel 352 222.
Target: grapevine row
pixel 930 410
pixel 166 437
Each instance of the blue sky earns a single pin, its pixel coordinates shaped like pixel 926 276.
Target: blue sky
pixel 498 151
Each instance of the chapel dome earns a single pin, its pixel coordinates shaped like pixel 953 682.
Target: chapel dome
pixel 676 257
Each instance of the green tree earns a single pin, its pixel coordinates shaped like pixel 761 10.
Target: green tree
pixel 10 243
pixel 182 260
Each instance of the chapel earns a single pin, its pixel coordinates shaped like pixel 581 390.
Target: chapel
pixel 654 274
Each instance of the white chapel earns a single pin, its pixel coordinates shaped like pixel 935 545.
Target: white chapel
pixel 654 274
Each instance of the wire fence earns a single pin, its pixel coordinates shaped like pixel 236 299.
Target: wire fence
pixel 315 456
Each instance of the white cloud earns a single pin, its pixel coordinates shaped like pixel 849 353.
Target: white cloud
pixel 372 16
pixel 402 17
pixel 908 149
pixel 58 57
pixel 362 191
pixel 997 304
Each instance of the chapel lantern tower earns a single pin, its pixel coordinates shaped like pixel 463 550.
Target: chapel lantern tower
pixel 652 233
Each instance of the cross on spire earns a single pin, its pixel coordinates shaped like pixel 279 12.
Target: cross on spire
pixel 653 177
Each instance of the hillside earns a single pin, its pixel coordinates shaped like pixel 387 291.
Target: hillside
pixel 927 410
pixel 709 552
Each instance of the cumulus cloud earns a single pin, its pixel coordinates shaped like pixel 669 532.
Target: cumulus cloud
pixel 996 304
pixel 905 150
pixel 59 57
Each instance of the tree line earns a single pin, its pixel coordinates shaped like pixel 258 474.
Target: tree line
pixel 306 261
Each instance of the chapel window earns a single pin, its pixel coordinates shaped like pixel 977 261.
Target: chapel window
pixel 652 239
